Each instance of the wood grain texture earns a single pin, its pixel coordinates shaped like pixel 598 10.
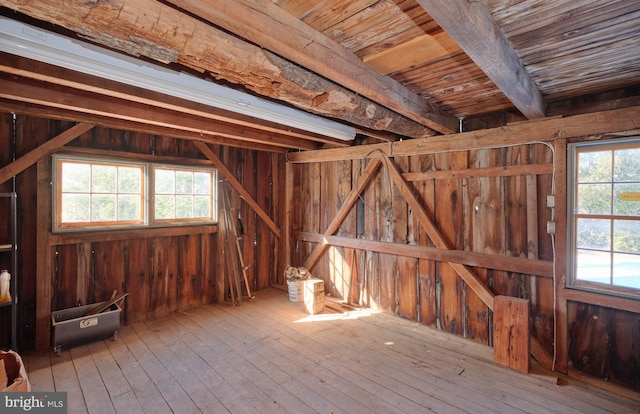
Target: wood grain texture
pixel 511 333
pixel 283 34
pixel 474 29
pixel 260 357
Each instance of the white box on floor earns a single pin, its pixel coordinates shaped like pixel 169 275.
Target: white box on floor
pixel 314 296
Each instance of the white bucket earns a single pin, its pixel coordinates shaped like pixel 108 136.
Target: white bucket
pixel 296 291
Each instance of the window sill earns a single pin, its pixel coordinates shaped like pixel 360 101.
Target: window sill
pixel 114 235
pixel 602 299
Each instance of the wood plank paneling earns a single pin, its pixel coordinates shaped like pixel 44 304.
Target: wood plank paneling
pixel 511 335
pixel 138 282
pixel 407 275
pixel 449 216
pixel 66 282
pixel 190 277
pixel 264 237
pixel 109 263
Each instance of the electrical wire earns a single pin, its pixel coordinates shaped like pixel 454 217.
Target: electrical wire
pixel 390 154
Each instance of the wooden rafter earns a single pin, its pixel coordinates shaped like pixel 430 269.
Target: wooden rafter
pixel 62 97
pixel 42 151
pixel 291 38
pixel 471 25
pixel 55 75
pixel 139 28
pixel 42 111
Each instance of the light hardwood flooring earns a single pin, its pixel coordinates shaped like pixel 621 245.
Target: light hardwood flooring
pixel 269 356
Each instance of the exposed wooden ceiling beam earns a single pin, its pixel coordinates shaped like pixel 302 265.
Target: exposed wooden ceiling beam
pixel 609 122
pixel 266 24
pixel 57 96
pixel 25 108
pixel 471 25
pixel 163 33
pixel 56 75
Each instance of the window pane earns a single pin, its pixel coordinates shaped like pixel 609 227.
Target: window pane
pixel 103 207
pixel 165 182
pixel 594 199
pixel 102 192
pixel 130 180
pixel 594 234
pixel 626 165
pixel 103 178
pixel 626 236
pixel 626 270
pixel 594 167
pixel 202 183
pixel 164 207
pixel 625 206
pixel 76 177
pixel 184 182
pixel 192 196
pixel 184 207
pixel 593 266
pixel 129 207
pixel 75 208
pixel 201 206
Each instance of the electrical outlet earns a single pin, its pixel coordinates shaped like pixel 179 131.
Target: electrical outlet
pixel 551 227
pixel 551 201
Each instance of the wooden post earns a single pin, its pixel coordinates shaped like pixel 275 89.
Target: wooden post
pixel 511 332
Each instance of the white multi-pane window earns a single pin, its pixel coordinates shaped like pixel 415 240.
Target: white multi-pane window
pixel 182 194
pixel 604 216
pixel 101 194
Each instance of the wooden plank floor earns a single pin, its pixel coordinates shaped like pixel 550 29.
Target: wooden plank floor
pixel 268 356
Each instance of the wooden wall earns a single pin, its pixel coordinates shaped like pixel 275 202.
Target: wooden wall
pixel 162 274
pixel 479 205
pixel 477 209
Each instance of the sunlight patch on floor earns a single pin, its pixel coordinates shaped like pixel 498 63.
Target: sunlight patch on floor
pixel 323 317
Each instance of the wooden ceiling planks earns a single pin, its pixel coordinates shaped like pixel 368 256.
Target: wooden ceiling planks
pixel 569 48
pixel 558 43
pixel 324 18
pixel 412 49
pixel 575 47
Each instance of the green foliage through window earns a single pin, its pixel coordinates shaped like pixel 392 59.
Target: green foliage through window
pixel 92 193
pixel 605 215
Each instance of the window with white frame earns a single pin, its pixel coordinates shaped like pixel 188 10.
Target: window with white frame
pixel 182 194
pixel 101 194
pixel 604 216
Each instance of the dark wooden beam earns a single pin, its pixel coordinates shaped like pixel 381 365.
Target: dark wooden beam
pixel 55 75
pixel 473 28
pixel 36 92
pixel 226 173
pixel 367 175
pixel 548 129
pixel 291 38
pixel 25 108
pixel 475 259
pixel 33 156
pixel 165 34
pixel 425 220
